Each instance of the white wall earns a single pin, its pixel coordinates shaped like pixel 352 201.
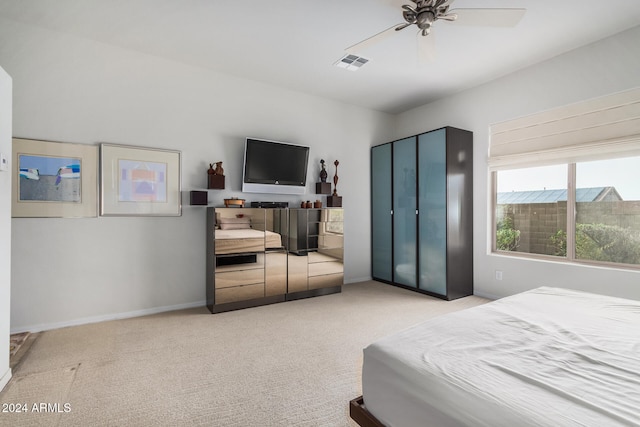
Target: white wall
pixel 608 66
pixel 68 271
pixel 5 226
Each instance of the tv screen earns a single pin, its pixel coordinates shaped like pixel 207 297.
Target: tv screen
pixel 274 167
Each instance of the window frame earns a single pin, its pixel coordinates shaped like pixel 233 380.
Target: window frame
pixel 570 257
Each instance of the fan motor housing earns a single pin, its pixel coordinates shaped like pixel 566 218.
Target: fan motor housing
pixel 425 19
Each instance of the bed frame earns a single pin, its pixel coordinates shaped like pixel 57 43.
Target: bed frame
pixel 358 413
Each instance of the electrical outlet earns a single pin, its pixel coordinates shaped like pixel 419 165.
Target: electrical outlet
pixel 498 275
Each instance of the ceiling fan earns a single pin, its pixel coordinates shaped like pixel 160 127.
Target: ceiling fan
pixel 426 12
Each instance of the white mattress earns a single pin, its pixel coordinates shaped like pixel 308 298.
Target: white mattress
pixel 546 357
pixel 245 240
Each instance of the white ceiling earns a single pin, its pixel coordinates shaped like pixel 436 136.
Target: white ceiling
pixel 294 43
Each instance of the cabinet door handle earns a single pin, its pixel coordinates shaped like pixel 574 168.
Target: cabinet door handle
pixel 416 211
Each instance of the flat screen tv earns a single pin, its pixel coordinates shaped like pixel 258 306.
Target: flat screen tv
pixel 274 167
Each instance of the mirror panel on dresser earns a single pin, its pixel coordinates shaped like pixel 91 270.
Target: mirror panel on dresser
pixel 258 256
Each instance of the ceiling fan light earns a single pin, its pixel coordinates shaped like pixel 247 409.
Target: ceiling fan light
pixel 425 19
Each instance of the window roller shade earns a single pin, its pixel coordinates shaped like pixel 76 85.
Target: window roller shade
pixel 599 128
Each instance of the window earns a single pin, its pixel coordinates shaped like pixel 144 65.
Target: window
pixel 566 182
pixel 531 208
pixel 334 221
pixel 607 225
pixel 599 222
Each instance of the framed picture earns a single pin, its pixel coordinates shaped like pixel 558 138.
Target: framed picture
pixel 139 181
pixel 54 179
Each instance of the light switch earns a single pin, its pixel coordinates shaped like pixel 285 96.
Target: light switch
pixel 4 163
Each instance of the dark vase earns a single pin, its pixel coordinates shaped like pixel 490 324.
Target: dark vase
pixel 323 172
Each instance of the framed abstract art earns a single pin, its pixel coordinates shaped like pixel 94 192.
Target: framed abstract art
pixel 139 181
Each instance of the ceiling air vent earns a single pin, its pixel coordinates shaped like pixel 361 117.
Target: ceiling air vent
pixel 351 62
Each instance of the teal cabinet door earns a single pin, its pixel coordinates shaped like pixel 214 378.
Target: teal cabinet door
pixel 432 209
pixel 404 212
pixel 422 213
pixel 381 224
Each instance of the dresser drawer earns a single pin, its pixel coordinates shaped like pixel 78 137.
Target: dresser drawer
pixel 239 293
pixel 324 268
pixel 238 278
pixel 328 281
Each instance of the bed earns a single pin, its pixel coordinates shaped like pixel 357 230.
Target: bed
pixel 235 235
pixel 246 240
pixel 547 357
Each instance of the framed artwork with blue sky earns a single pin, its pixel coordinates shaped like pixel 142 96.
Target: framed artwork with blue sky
pixel 54 179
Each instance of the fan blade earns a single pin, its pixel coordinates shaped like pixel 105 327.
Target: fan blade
pixel 489 17
pixel 426 48
pixel 376 38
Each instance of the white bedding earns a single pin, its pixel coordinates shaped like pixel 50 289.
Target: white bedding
pixel 245 240
pixel 547 357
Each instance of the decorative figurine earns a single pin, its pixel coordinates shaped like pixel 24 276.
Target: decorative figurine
pixel 219 170
pixel 335 179
pixel 215 176
pixel 323 172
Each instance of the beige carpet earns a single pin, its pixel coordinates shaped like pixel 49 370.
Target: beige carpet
pixel 16 341
pixel 290 364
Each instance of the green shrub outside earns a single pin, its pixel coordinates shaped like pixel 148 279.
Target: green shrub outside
pixel 601 242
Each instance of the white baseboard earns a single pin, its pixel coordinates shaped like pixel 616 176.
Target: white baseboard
pixel 126 315
pixel 5 379
pixel 485 295
pixel 106 317
pixel 357 279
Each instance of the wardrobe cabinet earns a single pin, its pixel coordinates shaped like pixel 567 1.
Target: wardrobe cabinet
pixel 422 213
